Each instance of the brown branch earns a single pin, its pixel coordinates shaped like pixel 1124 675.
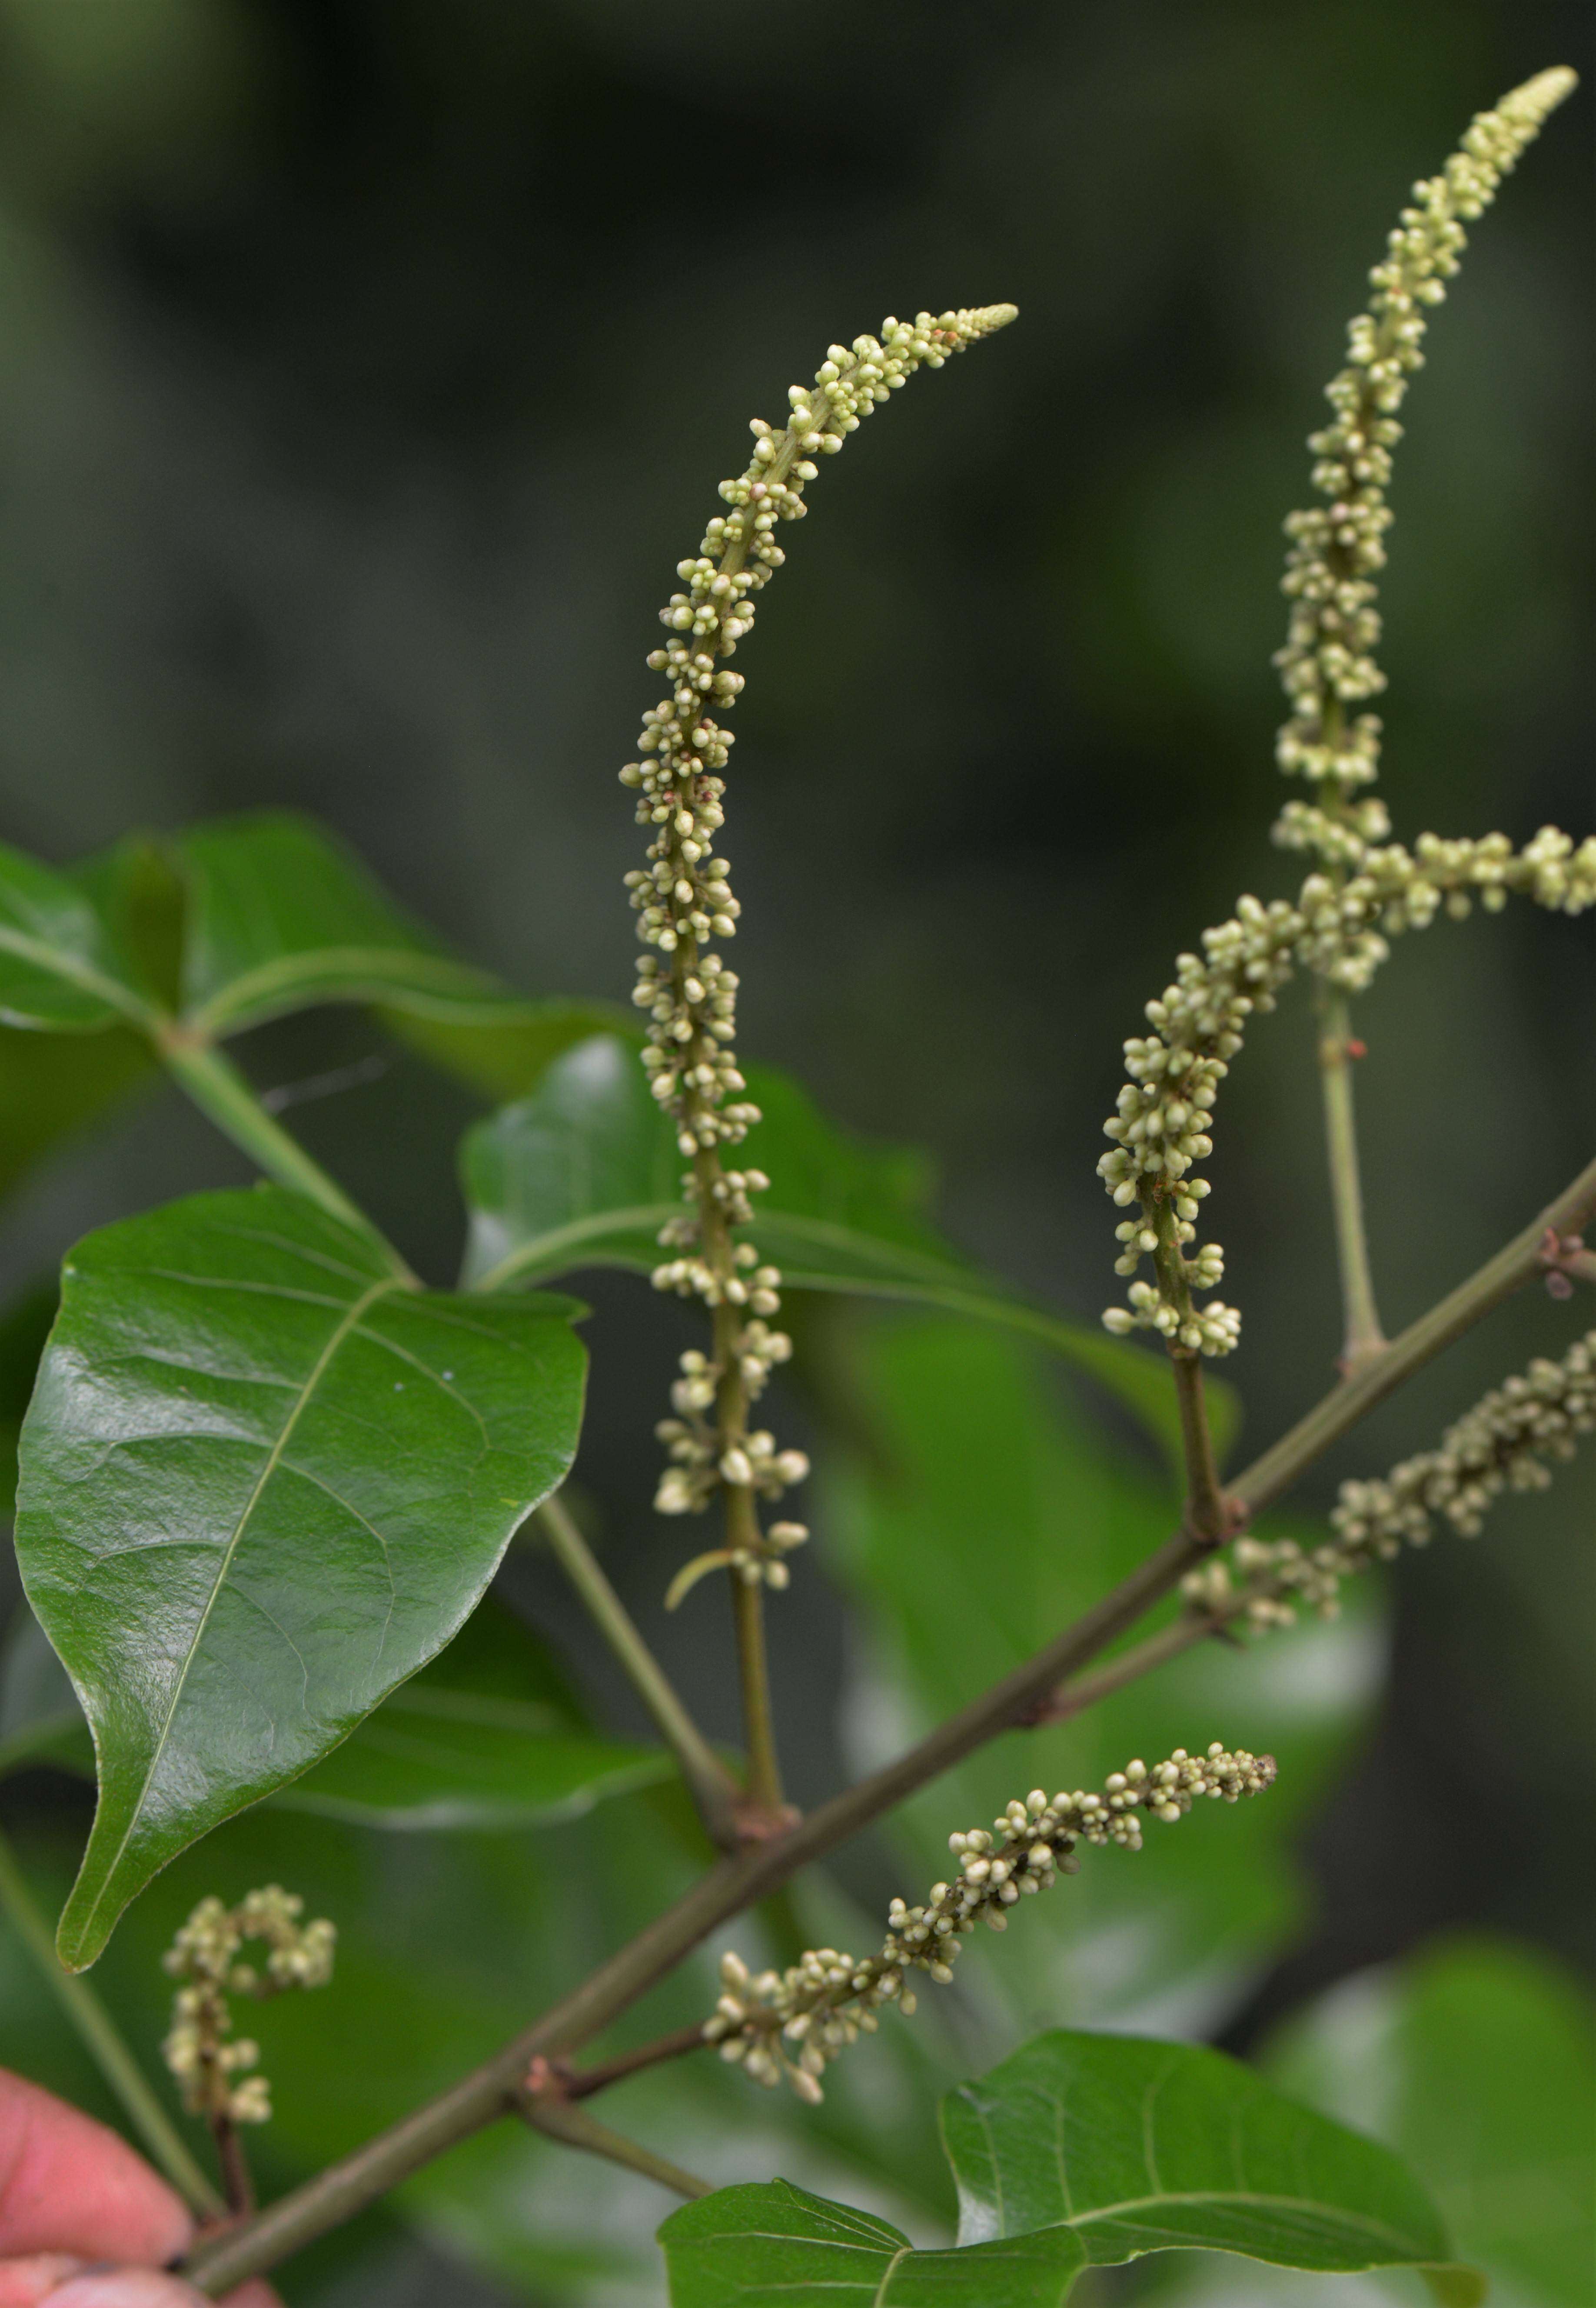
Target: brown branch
pixel 581 2083
pixel 736 1883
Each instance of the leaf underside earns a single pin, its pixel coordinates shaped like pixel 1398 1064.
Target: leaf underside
pixel 261 1481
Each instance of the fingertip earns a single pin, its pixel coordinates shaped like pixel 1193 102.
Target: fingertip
pixel 68 2183
pixel 126 2287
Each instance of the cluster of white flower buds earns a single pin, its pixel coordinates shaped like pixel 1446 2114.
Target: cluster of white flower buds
pixel 210 2062
pixel 1501 1444
pixel 1165 1109
pixel 791 2024
pixel 1338 927
pixel 684 903
pixel 1327 663
pixel 1369 888
pixel 1401 889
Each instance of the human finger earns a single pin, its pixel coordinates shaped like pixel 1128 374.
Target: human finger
pixel 68 2184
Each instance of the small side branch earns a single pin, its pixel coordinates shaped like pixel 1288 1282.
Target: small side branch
pixel 1519 1261
pixel 1363 1337
pixel 738 1883
pixel 581 2083
pixel 546 2109
pixel 710 1784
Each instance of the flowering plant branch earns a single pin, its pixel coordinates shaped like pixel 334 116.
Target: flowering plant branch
pixel 494 1383
pixel 791 2024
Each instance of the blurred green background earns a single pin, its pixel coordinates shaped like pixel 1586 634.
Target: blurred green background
pixel 364 371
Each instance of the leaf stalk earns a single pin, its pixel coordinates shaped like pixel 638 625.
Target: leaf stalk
pixel 713 1789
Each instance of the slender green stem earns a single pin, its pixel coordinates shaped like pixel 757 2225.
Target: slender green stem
pixel 1208 1517
pixel 743 1535
pixel 1364 1338
pixel 106 2045
pixel 753 1664
pixel 737 1882
pixel 224 1097
pixel 548 2113
pixel 711 1785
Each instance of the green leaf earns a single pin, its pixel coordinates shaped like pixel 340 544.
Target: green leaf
pixel 506 1051
pixel 40 1720
pixel 282 917
pixel 139 894
pixel 262 1482
pixel 52 1086
pixel 989 1513
pixel 478 1739
pixel 773 2246
pixel 60 968
pixel 1474 2060
pixel 1081 2151
pixel 586 1171
pixel 482 1737
pixel 23 1328
pixel 1139 2146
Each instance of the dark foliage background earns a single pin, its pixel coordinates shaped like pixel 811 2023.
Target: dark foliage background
pixel 365 370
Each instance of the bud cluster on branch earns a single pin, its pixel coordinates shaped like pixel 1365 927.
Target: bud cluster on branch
pixel 684 903
pixel 210 2062
pixel 1502 1443
pixel 794 2023
pixel 1327 663
pixel 1369 889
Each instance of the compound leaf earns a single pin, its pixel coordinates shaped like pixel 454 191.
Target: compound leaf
pixel 586 1171
pixel 261 1482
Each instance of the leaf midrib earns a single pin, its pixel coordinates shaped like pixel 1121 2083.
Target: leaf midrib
pixel 336 1337
pixel 1246 2197
pixel 56 962
pixel 389 965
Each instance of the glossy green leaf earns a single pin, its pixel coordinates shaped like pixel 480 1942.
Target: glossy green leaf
pixel 261 1482
pixel 989 1513
pixel 773 2246
pixel 282 917
pixel 1476 2060
pixel 1139 2146
pixel 586 1171
pixel 1082 2151
pixel 60 968
pixel 479 1738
